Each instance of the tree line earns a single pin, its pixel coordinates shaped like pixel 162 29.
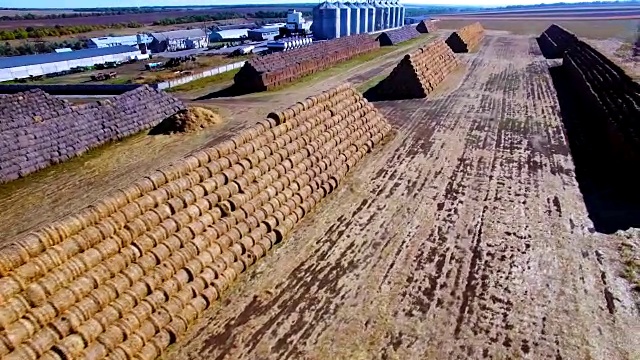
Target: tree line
pixel 76 13
pixel 225 16
pixel 30 48
pixel 59 30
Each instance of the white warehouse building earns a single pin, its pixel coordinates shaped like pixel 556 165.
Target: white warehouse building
pixel 110 41
pixel 22 67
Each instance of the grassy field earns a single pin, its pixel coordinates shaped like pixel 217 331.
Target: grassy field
pixel 205 82
pixel 593 29
pixel 370 83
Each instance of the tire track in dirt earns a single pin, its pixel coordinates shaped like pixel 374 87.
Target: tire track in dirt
pixel 463 237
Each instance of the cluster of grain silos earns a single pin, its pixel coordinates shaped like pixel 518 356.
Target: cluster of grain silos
pixel 334 19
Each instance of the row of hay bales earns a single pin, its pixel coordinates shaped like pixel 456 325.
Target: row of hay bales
pixel 427 27
pixel 20 110
pixel 44 130
pixel 130 274
pixel 555 41
pixel 466 39
pixel 397 36
pixel 273 70
pixel 419 72
pixel 612 97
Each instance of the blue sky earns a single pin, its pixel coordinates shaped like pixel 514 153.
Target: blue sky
pixel 104 3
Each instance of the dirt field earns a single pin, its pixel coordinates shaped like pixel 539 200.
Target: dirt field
pixel 465 236
pixel 36 12
pixel 593 29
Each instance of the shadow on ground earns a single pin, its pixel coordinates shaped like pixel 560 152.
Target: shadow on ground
pixel 232 90
pixel 612 200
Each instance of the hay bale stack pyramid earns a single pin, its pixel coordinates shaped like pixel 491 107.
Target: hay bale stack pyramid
pixel 397 36
pixel 426 27
pixel 128 275
pixel 555 41
pixel 466 39
pixel 612 98
pixel 419 72
pixel 276 69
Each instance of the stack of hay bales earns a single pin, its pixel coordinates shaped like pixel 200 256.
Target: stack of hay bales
pixel 555 41
pixel 38 130
pixel 397 36
pixel 426 27
pixel 466 39
pixel 419 73
pixel 276 69
pixel 130 274
pixel 612 98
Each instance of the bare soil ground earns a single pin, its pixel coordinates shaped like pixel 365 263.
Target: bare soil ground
pixel 592 29
pixel 465 236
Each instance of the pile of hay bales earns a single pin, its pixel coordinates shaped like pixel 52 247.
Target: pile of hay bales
pixel 426 27
pixel 276 69
pixel 555 40
pixel 612 97
pixel 466 39
pixel 132 273
pixel 193 119
pixel 43 130
pixel 418 73
pixel 397 36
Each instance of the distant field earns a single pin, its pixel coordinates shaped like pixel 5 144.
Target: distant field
pixel 36 12
pixel 593 29
pixel 568 13
pixel 147 18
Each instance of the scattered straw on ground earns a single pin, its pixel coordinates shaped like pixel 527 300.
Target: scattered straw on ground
pixel 195 118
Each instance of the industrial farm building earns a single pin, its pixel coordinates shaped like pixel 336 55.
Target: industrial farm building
pixel 179 40
pixel 263 34
pixel 337 19
pixel 111 41
pixel 22 67
pixel 410 20
pixel 227 35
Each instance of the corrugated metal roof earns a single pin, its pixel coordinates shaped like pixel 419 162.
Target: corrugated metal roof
pixel 179 34
pixel 229 34
pixel 124 40
pixel 265 31
pixel 15 61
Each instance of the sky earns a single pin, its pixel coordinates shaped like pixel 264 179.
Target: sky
pixel 105 3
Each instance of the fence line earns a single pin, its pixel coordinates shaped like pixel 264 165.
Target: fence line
pixel 189 78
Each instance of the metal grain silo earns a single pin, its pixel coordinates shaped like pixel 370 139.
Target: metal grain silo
pixel 390 21
pixel 344 14
pixel 371 15
pixel 402 14
pixel 387 14
pixel 395 14
pixel 354 19
pixel 364 20
pixel 326 21
pixel 379 15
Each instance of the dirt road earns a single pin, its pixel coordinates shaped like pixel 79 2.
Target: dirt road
pixel 466 236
